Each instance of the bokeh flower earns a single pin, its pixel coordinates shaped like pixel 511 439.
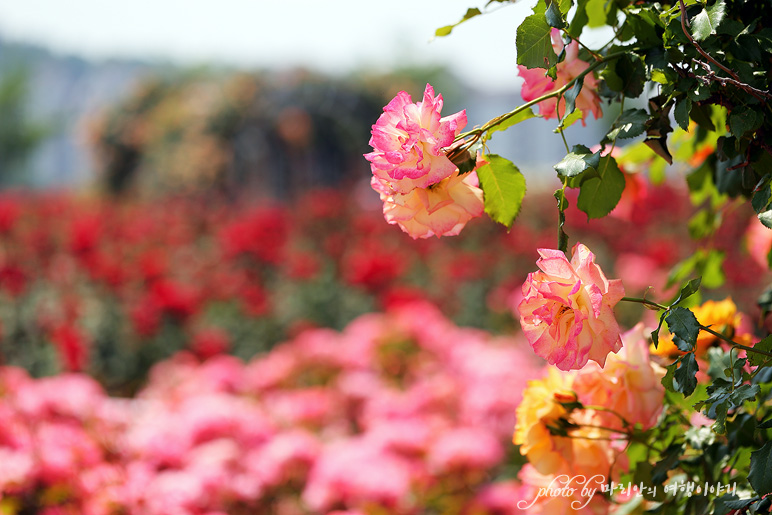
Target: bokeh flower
pixel 567 309
pixel 629 385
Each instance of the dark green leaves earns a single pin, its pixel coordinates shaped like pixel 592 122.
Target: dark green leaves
pixel 689 289
pixel 600 194
pixel 577 161
pixel 629 124
pixel 504 188
pixel 553 15
pixel 533 40
pixel 765 345
pixel 447 29
pixel 766 219
pixel 760 475
pixel 708 20
pixel 681 112
pixel 571 95
pixel 626 75
pixel 727 393
pixel 685 375
pixel 745 119
pixel 684 326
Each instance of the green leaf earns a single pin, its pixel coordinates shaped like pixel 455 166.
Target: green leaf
pixel 504 188
pixel 684 326
pixel 629 124
pixel 708 20
pixel 704 223
pixel 577 161
pixel 745 119
pixel 671 459
pixel 668 381
pixel 568 121
pixel 534 40
pixel 760 475
pixel 553 15
pixel 701 116
pixel 765 345
pixel 766 218
pixel 447 29
pixel 571 95
pixel 599 195
pixel 688 290
pixel 596 13
pixel 761 197
pixel 655 332
pixel 681 112
pixel 685 375
pixel 523 115
pixel 626 75
pixel 730 502
pixel 579 20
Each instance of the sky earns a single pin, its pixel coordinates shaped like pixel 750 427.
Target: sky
pixel 334 36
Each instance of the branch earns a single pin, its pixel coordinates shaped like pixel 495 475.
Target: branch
pixel 737 82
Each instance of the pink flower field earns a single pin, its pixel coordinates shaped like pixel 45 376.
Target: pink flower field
pixel 163 359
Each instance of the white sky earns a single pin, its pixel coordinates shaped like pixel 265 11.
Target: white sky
pixel 331 35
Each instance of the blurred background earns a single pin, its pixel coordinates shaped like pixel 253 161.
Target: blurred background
pixel 239 94
pixel 185 175
pixel 202 309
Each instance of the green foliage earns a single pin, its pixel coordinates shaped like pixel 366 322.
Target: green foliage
pixel 579 160
pixel 708 20
pixel 600 193
pixel 447 29
pixel 504 188
pixel 18 135
pixel 684 326
pixel 702 75
pixel 534 41
pixel 760 475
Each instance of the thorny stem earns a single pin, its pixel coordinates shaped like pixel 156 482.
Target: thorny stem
pixel 753 91
pixel 646 302
pixel 734 343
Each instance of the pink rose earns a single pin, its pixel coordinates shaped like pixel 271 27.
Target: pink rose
pixel 408 140
pixel 442 209
pixel 567 309
pixel 630 384
pixel 537 83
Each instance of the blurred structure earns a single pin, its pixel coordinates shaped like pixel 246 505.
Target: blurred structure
pixel 60 91
pixel 139 126
pixel 267 135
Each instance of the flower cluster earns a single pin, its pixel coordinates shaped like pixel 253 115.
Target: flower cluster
pixel 574 424
pixel 421 189
pixel 399 413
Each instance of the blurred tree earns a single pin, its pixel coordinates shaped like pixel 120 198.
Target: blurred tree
pixel 18 136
